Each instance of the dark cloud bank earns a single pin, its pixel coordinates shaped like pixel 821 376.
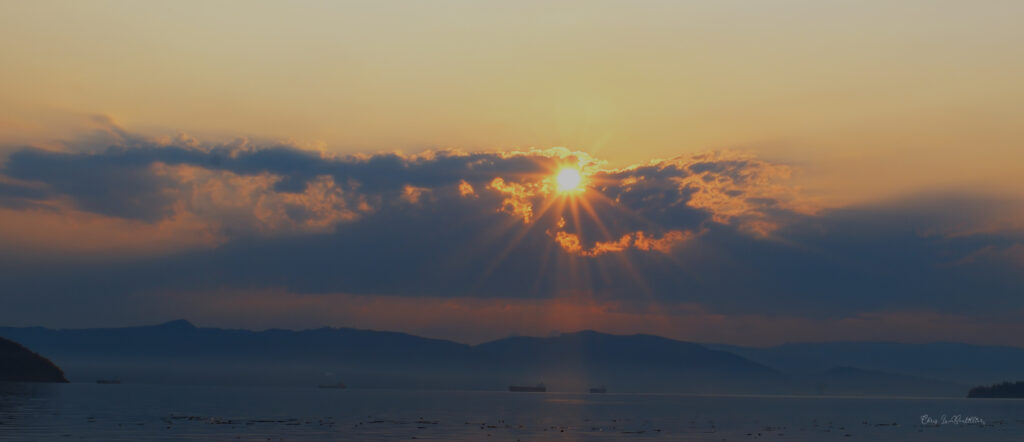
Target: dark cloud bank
pixel 720 230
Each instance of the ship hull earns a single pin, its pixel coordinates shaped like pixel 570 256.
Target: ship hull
pixel 525 389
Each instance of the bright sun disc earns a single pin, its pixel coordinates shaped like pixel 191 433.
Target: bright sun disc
pixel 569 180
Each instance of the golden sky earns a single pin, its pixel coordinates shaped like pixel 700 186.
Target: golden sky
pixel 741 171
pixel 869 99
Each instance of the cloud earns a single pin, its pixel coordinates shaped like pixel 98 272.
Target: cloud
pixel 570 242
pixel 733 187
pixel 724 231
pixel 243 188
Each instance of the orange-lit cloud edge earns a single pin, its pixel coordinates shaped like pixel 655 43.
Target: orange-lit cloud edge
pixel 208 203
pixel 213 207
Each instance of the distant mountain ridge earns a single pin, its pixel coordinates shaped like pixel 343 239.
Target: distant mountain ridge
pixel 631 362
pixel 179 352
pixel 960 363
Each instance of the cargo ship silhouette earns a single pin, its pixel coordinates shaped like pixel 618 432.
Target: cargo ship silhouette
pixel 539 388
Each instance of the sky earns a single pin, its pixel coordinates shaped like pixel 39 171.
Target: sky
pixel 752 172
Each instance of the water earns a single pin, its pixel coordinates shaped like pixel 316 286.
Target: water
pixel 129 412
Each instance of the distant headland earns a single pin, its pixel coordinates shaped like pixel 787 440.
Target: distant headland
pixel 1003 390
pixel 19 364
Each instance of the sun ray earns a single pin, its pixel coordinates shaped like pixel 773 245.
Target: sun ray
pixel 621 257
pixel 546 205
pixel 571 195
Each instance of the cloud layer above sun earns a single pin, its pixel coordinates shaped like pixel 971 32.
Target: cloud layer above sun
pixel 146 226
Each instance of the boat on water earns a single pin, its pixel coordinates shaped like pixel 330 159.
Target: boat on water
pixel 108 381
pixel 600 389
pixel 339 385
pixel 539 388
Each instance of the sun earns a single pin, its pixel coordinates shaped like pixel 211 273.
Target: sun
pixel 569 180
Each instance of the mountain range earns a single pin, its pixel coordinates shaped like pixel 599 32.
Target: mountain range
pixel 960 363
pixel 179 352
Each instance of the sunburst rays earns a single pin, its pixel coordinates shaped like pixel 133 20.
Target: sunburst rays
pixel 565 200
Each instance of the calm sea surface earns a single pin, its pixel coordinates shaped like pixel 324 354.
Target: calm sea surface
pixel 130 412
